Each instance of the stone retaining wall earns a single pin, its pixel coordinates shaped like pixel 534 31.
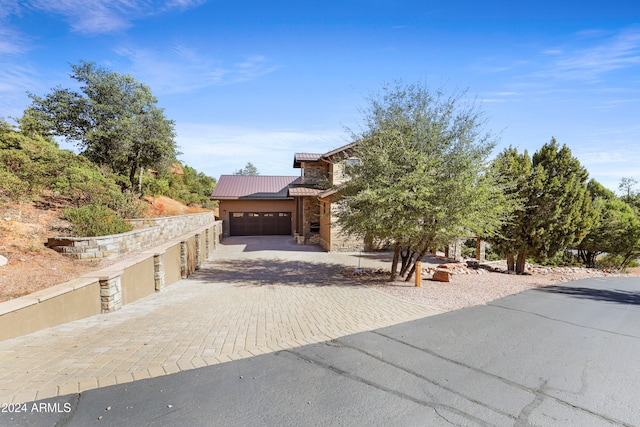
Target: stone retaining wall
pixel 147 233
pixel 108 289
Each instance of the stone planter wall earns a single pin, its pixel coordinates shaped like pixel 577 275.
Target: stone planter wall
pixel 148 232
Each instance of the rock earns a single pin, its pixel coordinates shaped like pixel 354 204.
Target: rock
pixel 3 261
pixel 441 276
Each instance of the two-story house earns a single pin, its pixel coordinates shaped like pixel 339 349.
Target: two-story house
pixel 300 206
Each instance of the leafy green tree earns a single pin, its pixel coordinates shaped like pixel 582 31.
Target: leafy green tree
pixel 114 120
pixel 422 179
pixel 626 186
pixel 249 169
pixel 557 211
pixel 617 232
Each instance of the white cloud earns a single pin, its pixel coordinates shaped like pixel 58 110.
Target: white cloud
pixel 217 149
pixel 15 81
pixel 589 64
pixel 104 16
pixel 184 69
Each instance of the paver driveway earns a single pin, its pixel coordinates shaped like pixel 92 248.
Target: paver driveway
pixel 255 296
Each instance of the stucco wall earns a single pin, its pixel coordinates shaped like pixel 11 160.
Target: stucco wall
pixel 137 280
pixel 73 300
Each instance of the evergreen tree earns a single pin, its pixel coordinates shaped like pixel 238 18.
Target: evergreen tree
pixel 557 211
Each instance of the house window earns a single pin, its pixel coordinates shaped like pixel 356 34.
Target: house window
pixel 314 227
pixel 238 214
pixel 353 162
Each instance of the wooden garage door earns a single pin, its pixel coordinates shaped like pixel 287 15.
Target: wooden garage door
pixel 259 223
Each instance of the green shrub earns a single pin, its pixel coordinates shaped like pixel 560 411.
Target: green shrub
pixel 613 261
pixel 96 220
pixel 13 187
pixel 130 206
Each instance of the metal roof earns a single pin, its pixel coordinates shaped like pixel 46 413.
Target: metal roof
pixel 303 191
pixel 252 187
pixel 305 157
pixel 298 158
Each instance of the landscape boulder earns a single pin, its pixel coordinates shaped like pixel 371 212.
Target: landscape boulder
pixel 441 275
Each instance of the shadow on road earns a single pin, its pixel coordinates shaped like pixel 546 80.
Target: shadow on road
pixel 608 295
pixel 273 272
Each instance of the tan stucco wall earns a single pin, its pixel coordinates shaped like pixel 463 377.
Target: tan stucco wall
pixel 227 206
pixel 325 224
pixel 72 300
pixel 172 264
pixel 137 281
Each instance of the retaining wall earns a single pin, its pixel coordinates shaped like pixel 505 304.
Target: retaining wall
pixel 147 233
pixel 108 289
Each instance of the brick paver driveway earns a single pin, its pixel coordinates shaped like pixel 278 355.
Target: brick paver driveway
pixel 256 295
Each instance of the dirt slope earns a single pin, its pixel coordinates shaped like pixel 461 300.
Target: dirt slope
pixel 24 229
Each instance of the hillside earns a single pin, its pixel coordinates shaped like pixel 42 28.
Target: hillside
pixel 24 228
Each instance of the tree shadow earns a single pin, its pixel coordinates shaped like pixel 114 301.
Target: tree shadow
pixel 265 272
pixel 617 296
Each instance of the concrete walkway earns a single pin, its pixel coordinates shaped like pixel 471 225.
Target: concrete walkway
pixel 257 295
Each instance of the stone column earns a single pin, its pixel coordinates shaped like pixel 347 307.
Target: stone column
pixel 207 243
pixel 110 293
pixel 184 255
pixel 454 250
pixel 198 252
pixel 481 247
pixel 158 271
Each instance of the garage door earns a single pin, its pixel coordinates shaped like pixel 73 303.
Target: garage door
pixel 259 223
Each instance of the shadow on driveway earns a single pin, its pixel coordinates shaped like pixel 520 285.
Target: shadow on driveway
pixel 264 272
pixel 608 295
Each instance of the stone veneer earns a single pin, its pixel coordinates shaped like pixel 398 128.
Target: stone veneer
pixel 147 233
pixel 314 172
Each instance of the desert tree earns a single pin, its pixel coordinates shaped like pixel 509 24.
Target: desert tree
pixel 422 179
pixel 113 119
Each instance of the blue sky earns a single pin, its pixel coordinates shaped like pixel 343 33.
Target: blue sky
pixel 253 81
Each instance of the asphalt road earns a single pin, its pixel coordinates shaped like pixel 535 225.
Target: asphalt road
pixel 559 356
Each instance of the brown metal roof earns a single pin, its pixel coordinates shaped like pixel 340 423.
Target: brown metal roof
pixel 305 157
pixel 303 191
pixel 235 187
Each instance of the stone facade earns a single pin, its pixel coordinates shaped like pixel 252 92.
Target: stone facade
pixel 311 222
pixel 147 233
pixel 314 172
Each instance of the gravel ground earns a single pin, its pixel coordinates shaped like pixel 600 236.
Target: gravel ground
pixel 466 290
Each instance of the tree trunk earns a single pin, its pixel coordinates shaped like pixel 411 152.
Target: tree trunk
pixel 520 263
pixel 413 266
pixel 394 264
pixel 406 260
pixel 511 264
pixel 132 175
